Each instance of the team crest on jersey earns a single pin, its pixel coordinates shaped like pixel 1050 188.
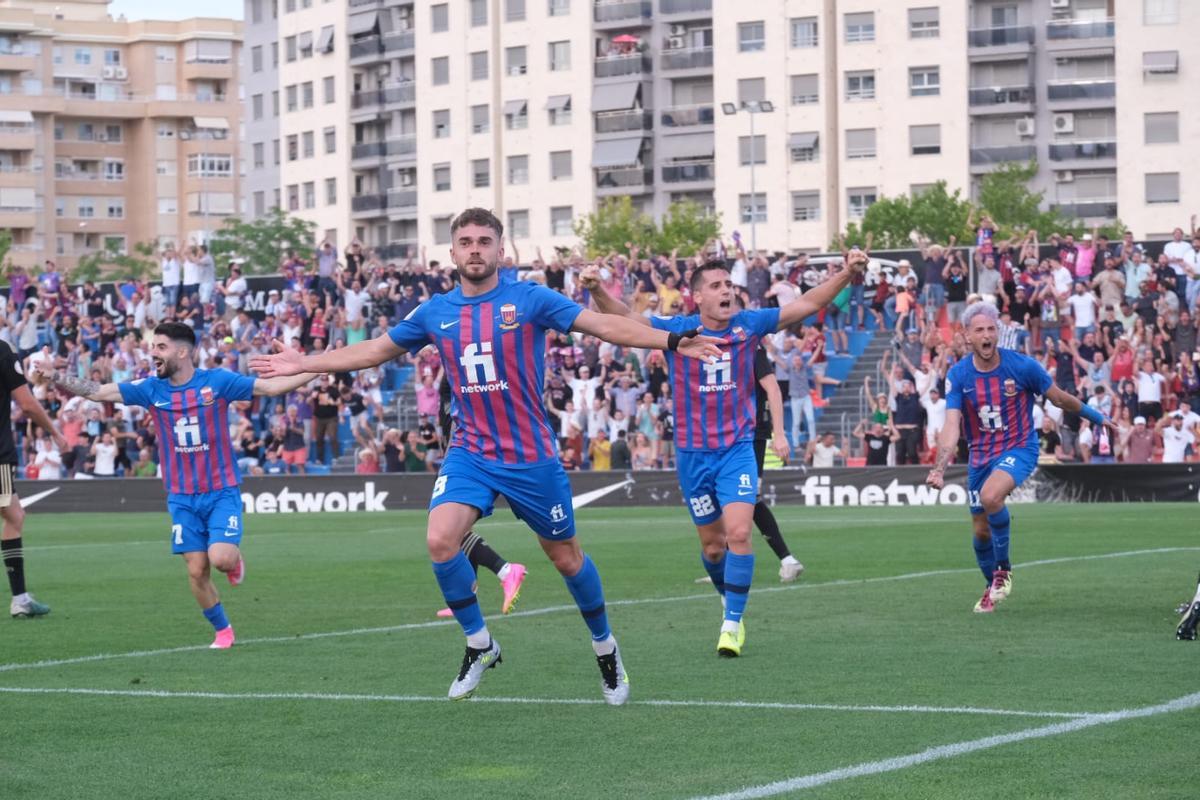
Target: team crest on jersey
pixel 1010 387
pixel 738 333
pixel 206 396
pixel 508 317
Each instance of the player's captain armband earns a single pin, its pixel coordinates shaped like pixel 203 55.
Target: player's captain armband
pixel 673 339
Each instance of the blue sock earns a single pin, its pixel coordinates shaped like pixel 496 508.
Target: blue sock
pixel 998 522
pixel 456 579
pixel 216 615
pixel 739 572
pixel 716 571
pixel 585 587
pixel 984 557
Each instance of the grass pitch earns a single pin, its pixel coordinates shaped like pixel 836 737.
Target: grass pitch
pixel 869 678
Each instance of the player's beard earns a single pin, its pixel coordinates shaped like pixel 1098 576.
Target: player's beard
pixel 166 369
pixel 480 271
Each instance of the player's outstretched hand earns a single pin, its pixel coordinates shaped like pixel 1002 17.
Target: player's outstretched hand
pixel 284 361
pixel 60 442
pixel 781 447
pixel 705 348
pixel 936 479
pixel 857 262
pixel 590 278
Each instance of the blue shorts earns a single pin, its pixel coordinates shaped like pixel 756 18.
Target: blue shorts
pixel 711 479
pixel 201 520
pixel 1020 464
pixel 539 496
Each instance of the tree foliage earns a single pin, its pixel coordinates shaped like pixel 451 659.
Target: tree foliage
pixel 6 240
pixel 262 242
pixel 135 265
pixel 615 224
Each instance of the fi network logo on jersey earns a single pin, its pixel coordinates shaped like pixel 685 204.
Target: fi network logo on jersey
pixel 718 375
pixel 187 435
pixel 480 366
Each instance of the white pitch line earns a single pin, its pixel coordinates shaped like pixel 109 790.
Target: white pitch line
pixel 544 701
pixel 1185 703
pixel 536 612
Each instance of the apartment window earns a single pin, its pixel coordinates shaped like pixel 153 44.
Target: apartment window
pixel 166 130
pixel 165 91
pixel 256 15
pixel 310 194
pixel 514 10
pixel 805 90
pixel 114 244
pixel 516 115
pixel 327 89
pixel 752 150
pixel 752 36
pixel 115 208
pixel 85 208
pixel 114 170
pixel 860 85
pixel 275 153
pixel 274 54
pixel 1160 62
pixel 560 165
pixel 518 170
pixel 806 206
pixel 559 8
pixel 330 135
pixel 168 205
pixel 858 201
pixel 289 6
pixel 439 17
pixel 289 48
pixel 518 225
pixel 1162 128
pixel 60 207
pixel 481 173
pixel 924 81
pixel 560 109
pixel 83 55
pixel 753 207
pixel 163 54
pixel 441 70
pixel 480 119
pixel 260 155
pixel 441 229
pixel 112 58
pixel 275 102
pixel 441 177
pixel 113 133
pixel 256 61
pixel 1160 12
pixel 85 132
pixel 164 167
pixel 325 44
pixel 260 204
pixel 209 165
pixel 276 198
pixel 915 189
pixel 924 140
pixel 59 132
pixel 479 13
pixel 306 94
pixel 560 56
pixel 304 42
pixel 308 144
pixel 860 143
pixel 560 220
pixel 479 66
pixel 293 147
pixel 293 96
pixel 441 124
pixel 804 32
pixel 923 23
pixel 860 27
pixel 804 146
pixel 514 60
pixel 330 191
pixel 256 106
pixel 751 90
pixel 1162 187
pixel 293 197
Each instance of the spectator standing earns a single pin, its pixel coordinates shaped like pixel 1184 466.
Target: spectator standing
pixel 1150 384
pixel 906 417
pixel 1083 309
pixel 171 275
pixel 294 447
pixel 600 451
pixel 1138 442
pixel 821 453
pixel 1175 437
pixel 875 442
pixel 621 456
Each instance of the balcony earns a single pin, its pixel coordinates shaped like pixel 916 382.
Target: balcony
pixel 401 199
pixel 18 137
pixel 689 172
pixel 207 69
pixel 617 13
pixel 1058 30
pixel 687 116
pixel 1099 89
pixel 388 95
pixel 1008 36
pixel 402 248
pixel 624 180
pixel 14 218
pixel 616 66
pixel 1001 96
pixel 697 7
pixel 1000 155
pixel 395 146
pixel 368 203
pixel 688 58
pixel 1083 151
pixel 616 121
pixel 374 46
pixel 1088 209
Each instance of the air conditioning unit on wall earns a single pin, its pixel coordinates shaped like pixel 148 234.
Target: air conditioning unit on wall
pixel 1026 127
pixel 678 30
pixel 1060 3
pixel 1064 176
pixel 1064 122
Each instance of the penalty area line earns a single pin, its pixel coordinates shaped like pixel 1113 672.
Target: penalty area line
pixel 541 701
pixel 942 752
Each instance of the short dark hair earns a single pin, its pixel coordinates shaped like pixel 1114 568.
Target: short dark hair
pixel 176 332
pixel 707 266
pixel 477 216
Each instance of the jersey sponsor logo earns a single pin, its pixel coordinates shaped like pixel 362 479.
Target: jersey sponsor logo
pixel 187 435
pixel 508 317
pixel 1010 387
pixel 477 359
pixel 206 396
pixel 718 375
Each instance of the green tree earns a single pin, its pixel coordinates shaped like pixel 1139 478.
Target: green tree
pixel 687 227
pixel 934 213
pixel 262 242
pixel 135 265
pixel 613 224
pixel 1005 196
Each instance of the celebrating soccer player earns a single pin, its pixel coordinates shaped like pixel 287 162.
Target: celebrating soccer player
pixel 714 407
pixel 994 391
pixel 190 408
pixel 491 336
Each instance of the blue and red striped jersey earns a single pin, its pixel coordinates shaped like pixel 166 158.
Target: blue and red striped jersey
pixel 492 349
pixel 194 446
pixel 997 406
pixel 713 404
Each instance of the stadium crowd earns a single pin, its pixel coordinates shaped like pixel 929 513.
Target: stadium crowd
pixel 1110 321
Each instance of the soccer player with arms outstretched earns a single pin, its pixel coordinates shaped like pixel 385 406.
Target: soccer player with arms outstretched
pixel 993 393
pixel 190 408
pixel 491 337
pixel 714 409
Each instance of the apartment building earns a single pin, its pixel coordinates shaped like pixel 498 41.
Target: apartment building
pixel 261 145
pixel 112 132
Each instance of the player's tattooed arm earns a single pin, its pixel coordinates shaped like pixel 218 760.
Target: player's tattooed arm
pixel 86 387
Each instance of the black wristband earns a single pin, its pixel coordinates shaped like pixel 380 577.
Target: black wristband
pixel 673 339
